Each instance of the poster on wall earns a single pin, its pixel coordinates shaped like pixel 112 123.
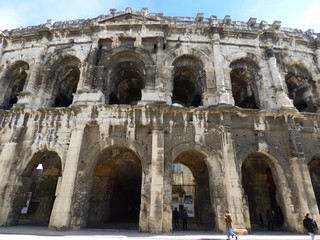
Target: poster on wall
pixel 175 201
pixel 188 204
pixel 24 210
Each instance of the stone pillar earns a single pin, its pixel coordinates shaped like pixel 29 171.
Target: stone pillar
pixel 86 93
pixel 157 220
pixel 303 191
pixel 223 97
pixel 87 70
pixel 152 93
pixel 155 89
pixel 208 96
pixel 162 91
pixel 282 99
pixel 1 47
pixel 234 199
pixel 317 51
pixel 318 58
pixel 7 158
pixel 61 213
pixel 44 96
pixel 34 75
pixel 300 184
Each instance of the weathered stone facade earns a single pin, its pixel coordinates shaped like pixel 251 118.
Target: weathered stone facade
pixel 108 105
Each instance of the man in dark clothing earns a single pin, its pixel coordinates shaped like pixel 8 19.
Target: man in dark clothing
pixel 176 216
pixel 184 217
pixel 310 225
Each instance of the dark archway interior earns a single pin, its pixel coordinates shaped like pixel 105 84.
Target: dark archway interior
pixel 116 190
pixel 188 81
pixel 243 76
pixel 314 168
pixel 261 192
pixel 130 78
pixel 300 88
pixel 38 191
pixel 197 174
pixel 66 74
pixel 127 78
pixel 14 82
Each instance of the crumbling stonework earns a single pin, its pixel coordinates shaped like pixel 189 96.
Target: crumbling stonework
pixel 107 105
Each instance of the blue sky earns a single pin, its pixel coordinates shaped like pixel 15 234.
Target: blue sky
pixel 300 14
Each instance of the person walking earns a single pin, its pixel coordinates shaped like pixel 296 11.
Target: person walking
pixel 310 225
pixel 227 217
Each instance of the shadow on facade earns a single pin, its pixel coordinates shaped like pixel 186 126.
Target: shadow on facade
pixel 116 190
pixel 261 192
pixel 36 196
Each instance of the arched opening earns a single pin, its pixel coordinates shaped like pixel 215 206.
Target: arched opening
pixel 261 191
pixel 244 75
pixel 300 88
pixel 116 190
pixel 64 76
pixel 37 194
pixel 190 189
pixel 188 81
pixel 127 79
pixel 314 168
pixel 13 83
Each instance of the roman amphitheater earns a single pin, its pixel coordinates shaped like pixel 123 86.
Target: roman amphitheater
pixel 112 121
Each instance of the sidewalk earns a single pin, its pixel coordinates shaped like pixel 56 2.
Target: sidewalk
pixel 37 233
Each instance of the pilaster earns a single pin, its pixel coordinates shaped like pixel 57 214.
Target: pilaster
pixel 281 98
pixel 61 213
pixel 7 157
pixel 86 94
pixel 317 51
pixel 234 198
pixel 1 47
pixel 154 92
pixel 88 68
pixel 223 97
pixel 318 57
pixel 162 90
pixel 302 187
pixel 157 220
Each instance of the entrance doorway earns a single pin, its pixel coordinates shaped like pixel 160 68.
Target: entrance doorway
pixel 190 189
pixel 261 192
pixel 38 193
pixel 116 190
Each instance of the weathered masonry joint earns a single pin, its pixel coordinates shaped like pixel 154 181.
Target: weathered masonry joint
pixel 114 120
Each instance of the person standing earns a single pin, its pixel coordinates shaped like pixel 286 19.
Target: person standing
pixel 176 216
pixel 310 225
pixel 261 220
pixel 227 217
pixel 184 216
pixel 270 219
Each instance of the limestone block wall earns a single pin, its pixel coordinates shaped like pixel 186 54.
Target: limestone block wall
pixel 108 105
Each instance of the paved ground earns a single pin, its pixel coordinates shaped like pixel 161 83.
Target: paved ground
pixel 38 233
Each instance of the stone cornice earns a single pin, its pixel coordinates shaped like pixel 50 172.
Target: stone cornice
pixel 138 18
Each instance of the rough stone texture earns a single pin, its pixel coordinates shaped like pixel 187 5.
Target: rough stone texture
pixel 108 105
